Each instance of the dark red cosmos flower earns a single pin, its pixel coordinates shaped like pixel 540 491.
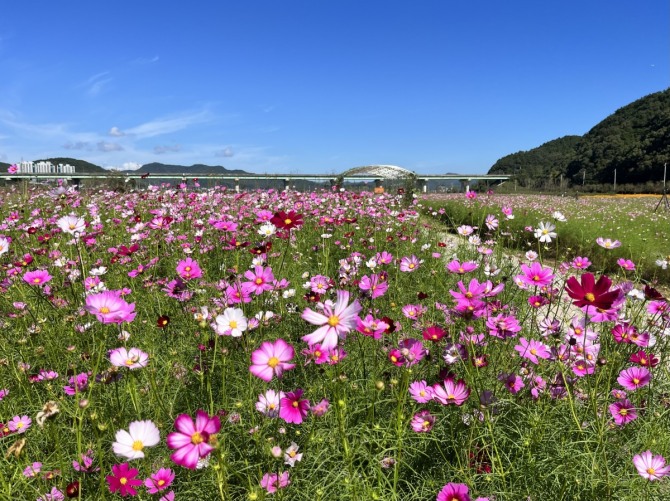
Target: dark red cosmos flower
pixel 644 359
pixel 590 292
pixel 163 321
pixel 652 294
pixel 286 221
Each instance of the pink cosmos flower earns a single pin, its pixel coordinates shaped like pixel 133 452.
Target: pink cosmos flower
pixel 370 326
pixel 450 392
pixel 454 492
pixel 580 263
pixel 272 359
pixel 133 358
pixel 503 326
pixel 608 243
pixel 422 422
pixel 71 224
pixel 19 424
pixel 259 280
pixel 188 269
pixel 421 392
pixel 271 481
pixel 321 408
pixel 37 277
pixel 623 412
pixel 409 263
pixel 536 275
pixel 634 378
pixel 532 350
pixel 110 308
pixel 459 268
pixel 123 480
pixel 651 467
pixel 626 264
pixel 335 322
pixel 191 440
pixel 292 409
pixel 78 384
pixel 159 481
pixel 13 169
pixel 374 284
pixel 512 382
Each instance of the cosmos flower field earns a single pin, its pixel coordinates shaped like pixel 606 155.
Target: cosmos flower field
pixel 177 344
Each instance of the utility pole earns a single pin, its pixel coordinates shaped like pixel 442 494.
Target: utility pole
pixel 583 177
pixel 614 180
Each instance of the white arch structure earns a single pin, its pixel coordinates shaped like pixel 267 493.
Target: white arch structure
pixel 384 171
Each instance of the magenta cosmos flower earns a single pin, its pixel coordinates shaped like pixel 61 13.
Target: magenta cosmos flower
pixel 459 268
pixel 159 481
pixel 110 308
pixel 37 277
pixel 335 322
pixel 123 480
pixel 374 284
pixel 634 378
pixel 272 359
pixel 259 280
pixel 188 269
pixel 536 275
pixel 422 422
pixel 649 466
pixel 454 492
pixel 292 409
pixel 271 481
pixel 623 412
pixel 191 440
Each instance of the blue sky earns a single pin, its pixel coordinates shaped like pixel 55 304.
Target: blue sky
pixel 315 86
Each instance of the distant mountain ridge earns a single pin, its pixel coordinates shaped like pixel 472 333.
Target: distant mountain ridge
pixel 634 141
pixel 159 168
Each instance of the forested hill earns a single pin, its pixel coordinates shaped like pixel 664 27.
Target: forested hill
pixel 156 168
pixel 634 140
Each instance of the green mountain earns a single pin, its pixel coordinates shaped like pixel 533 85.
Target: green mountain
pixel 634 141
pixel 157 168
pixel 4 167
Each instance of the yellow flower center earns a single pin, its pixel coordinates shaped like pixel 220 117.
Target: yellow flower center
pixel 333 320
pixel 533 351
pixel 623 412
pixel 273 362
pixel 123 480
pixel 636 380
pixel 160 483
pixel 411 266
pixel 188 268
pixel 138 445
pixel 287 221
pixel 36 280
pixel 589 297
pixel 259 281
pixel 233 324
pixel 197 438
pixel 19 425
pixel 451 396
pixel 295 404
pixel 651 471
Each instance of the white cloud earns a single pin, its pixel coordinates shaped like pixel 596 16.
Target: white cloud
pixel 160 149
pixel 131 166
pixel 116 132
pixel 95 83
pixel 104 146
pixel 227 152
pixel 78 145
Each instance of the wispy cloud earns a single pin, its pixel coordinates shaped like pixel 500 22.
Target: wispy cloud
pixel 106 147
pixel 159 150
pixel 78 145
pixel 96 83
pixel 146 60
pixel 168 125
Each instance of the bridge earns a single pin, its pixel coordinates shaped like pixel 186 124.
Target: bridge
pixel 376 173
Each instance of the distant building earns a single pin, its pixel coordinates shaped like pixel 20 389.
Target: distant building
pixel 44 168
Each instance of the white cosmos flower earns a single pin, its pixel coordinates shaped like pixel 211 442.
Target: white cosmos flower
pixel 130 444
pixel 545 232
pixel 99 271
pixel 71 224
pixel 4 245
pixel 231 323
pixel 267 230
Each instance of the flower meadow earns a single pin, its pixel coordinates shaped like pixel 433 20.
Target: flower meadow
pixel 626 228
pixel 179 344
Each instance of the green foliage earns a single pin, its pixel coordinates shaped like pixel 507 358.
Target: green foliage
pixel 634 141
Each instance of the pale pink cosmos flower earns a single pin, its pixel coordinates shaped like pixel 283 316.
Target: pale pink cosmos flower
pixel 271 359
pixel 422 422
pixel 335 322
pixel 4 245
pixel 269 402
pixel 532 350
pixel 651 467
pixel 409 263
pixel 374 284
pixel 291 455
pixel 132 358
pixel 626 264
pixel 421 392
pixel 71 224
pixel 19 424
pixel 451 392
pixel 623 412
pixel 109 307
pixel 271 481
pixel 580 263
pixel 608 243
